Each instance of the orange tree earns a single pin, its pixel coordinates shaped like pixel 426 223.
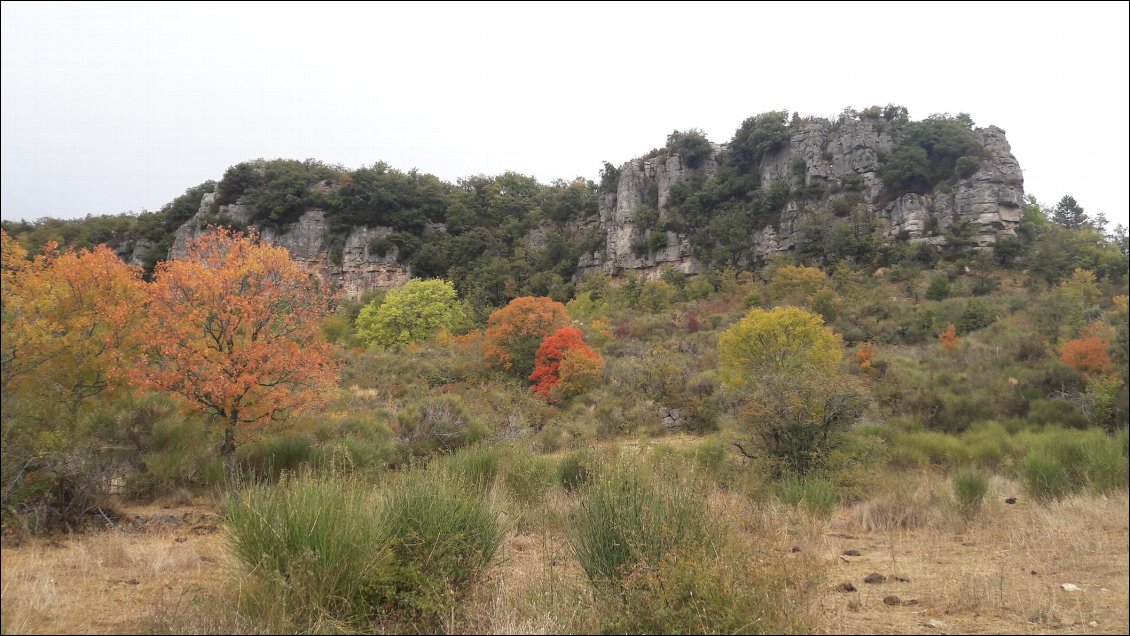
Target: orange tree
pixel 1088 355
pixel 564 365
pixel 68 322
pixel 233 328
pixel 67 335
pixel 515 332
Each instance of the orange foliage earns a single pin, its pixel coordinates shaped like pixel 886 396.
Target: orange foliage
pixel 949 339
pixel 70 320
pixel 514 332
pixel 1089 355
pixel 864 354
pixel 233 328
pixel 565 362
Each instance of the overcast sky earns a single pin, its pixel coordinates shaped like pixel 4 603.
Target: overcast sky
pixel 110 108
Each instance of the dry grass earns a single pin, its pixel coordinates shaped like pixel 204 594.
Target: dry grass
pixel 1000 573
pixel 105 582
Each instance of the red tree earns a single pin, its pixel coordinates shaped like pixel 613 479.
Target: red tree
pixel 514 332
pixel 233 328
pixel 566 345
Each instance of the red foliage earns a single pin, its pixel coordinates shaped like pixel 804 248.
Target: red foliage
pixel 567 341
pixel 693 325
pixel 949 339
pixel 523 320
pixel 864 354
pixel 1088 355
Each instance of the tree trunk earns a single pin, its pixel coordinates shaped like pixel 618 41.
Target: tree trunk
pixel 228 451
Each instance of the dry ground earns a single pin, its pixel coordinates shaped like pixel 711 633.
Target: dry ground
pixel 1000 573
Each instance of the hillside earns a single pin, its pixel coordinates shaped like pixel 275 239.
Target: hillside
pixel 826 190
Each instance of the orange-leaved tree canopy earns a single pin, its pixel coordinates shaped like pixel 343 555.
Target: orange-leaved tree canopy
pixel 69 321
pixel 515 332
pixel 1089 355
pixel 565 365
pixel 233 328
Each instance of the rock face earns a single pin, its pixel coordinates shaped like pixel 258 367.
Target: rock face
pixel 838 158
pixel 351 266
pixel 987 203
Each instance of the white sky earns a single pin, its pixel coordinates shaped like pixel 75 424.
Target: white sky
pixel 110 108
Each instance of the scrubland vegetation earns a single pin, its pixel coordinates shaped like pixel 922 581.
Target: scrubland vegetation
pixel 648 456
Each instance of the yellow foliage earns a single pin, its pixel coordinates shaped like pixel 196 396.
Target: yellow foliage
pixel 780 341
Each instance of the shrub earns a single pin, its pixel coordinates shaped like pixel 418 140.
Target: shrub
pixel 627 521
pixel 514 332
pixel 689 592
pixel 573 472
pixel 818 493
pixel 268 459
pixel 477 467
pixel 1063 462
pixel 443 535
pixel 939 288
pixel 528 477
pixel 418 310
pixel 969 489
pixel 317 542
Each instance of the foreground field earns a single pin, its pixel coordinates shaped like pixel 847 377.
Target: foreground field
pixel 1007 571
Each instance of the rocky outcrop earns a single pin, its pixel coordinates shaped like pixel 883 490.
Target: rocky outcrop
pixel 841 159
pixel 645 181
pixel 350 265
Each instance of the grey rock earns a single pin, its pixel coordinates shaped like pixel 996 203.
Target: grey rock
pixel 989 200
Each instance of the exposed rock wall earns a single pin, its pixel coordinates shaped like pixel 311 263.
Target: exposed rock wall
pixel 988 201
pixel 358 270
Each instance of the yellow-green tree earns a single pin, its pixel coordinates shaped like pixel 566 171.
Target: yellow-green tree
pixel 783 364
pixel 778 341
pixel 416 311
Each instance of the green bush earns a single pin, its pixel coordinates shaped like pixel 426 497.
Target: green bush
pixel 528 477
pixel 573 472
pixel 817 493
pixel 939 288
pixel 1064 462
pixel 318 543
pixel 478 466
pixel 691 592
pixel 627 521
pixel 334 555
pixel 268 459
pixel 443 535
pixel 969 489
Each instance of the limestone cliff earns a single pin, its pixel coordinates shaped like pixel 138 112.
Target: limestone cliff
pixel 354 268
pixel 987 202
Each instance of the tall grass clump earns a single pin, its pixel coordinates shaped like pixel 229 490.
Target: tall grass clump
pixel 970 488
pixel 573 472
pixel 662 563
pixel 818 494
pixel 1063 462
pixel 627 521
pixel 317 544
pixel 528 477
pixel 478 466
pixel 443 536
pixel 268 459
pixel 727 592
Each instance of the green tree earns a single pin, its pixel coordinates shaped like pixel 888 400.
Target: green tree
pixel 1069 214
pixel 414 312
